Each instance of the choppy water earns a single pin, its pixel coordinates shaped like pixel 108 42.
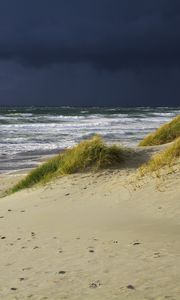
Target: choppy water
pixel 28 133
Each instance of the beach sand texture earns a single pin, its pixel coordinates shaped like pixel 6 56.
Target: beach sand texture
pixel 91 236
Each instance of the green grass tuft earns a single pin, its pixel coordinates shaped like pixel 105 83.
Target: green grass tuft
pixel 165 134
pixel 166 157
pixel 91 154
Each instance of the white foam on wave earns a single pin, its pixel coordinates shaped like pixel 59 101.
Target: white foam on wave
pixel 48 132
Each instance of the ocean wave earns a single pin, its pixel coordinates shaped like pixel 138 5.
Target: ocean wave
pixel 38 131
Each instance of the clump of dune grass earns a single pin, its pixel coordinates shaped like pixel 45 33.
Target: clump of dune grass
pixel 165 134
pixel 165 158
pixel 91 154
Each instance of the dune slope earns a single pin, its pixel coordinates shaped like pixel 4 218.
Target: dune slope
pixel 165 134
pixel 92 236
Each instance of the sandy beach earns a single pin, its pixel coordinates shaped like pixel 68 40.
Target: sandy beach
pixel 91 236
pixel 90 150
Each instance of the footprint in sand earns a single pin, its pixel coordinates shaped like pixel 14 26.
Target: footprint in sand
pixel 115 242
pixel 130 287
pixel 91 251
pixel 22 278
pixel 136 243
pixel 95 284
pixel 26 269
pixel 157 255
pixel 33 234
pixel 62 272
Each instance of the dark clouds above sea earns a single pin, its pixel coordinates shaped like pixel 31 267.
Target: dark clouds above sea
pixel 103 52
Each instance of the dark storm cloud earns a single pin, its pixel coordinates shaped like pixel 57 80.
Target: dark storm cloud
pixel 108 34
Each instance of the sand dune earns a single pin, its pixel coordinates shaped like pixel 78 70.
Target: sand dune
pixel 92 236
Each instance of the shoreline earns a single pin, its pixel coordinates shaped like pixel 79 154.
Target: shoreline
pixel 36 159
pixel 24 161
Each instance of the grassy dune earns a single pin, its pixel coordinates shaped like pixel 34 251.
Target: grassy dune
pixel 165 134
pixel 166 157
pixel 92 154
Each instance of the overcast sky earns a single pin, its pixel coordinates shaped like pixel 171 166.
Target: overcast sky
pixel 90 52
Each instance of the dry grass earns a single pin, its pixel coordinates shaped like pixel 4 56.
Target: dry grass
pixel 165 158
pixel 165 134
pixel 92 154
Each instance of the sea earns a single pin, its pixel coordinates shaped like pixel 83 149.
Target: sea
pixel 29 134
